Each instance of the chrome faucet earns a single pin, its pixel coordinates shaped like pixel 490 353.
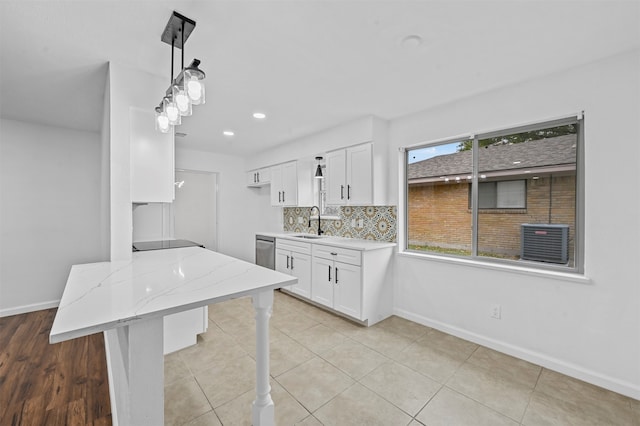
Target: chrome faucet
pixel 311 211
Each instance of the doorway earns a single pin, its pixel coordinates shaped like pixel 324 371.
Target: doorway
pixel 195 206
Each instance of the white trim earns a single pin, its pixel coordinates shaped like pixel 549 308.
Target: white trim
pixel 29 308
pixel 531 271
pixel 572 370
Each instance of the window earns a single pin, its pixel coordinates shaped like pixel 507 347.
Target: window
pixel 480 197
pixel 511 194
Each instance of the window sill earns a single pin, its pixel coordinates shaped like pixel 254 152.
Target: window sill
pixel 545 273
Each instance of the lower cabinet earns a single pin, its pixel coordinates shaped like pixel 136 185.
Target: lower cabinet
pixel 181 329
pixel 354 283
pixel 294 258
pixel 337 285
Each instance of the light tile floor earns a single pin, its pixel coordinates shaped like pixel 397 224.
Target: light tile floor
pixel 326 370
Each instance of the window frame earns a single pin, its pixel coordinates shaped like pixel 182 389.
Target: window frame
pixel 474 258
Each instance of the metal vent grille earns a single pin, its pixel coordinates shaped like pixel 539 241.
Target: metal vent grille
pixel 544 243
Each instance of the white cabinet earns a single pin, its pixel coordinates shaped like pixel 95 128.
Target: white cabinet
pixel 259 177
pixel 349 179
pixel 294 258
pixel 181 329
pixel 152 160
pixel 284 184
pixel 336 283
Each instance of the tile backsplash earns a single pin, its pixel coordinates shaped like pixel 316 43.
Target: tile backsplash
pixel 378 222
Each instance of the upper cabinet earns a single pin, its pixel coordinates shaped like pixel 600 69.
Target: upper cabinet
pixel 349 176
pixel 259 177
pixel 284 184
pixel 152 160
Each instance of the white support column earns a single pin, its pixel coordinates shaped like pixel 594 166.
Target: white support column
pixel 262 407
pixel 146 372
pixel 136 372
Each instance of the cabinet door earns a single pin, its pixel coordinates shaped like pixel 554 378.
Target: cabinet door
pixel 283 259
pixel 335 182
pixel 347 289
pixel 359 175
pixel 276 185
pixel 301 269
pixel 322 282
pixel 290 184
pixel 152 160
pixel 264 175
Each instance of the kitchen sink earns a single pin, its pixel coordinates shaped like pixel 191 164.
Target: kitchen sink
pixel 308 236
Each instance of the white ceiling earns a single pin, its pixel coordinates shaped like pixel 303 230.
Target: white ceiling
pixel 308 65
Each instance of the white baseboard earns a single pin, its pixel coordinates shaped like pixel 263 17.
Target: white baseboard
pixel 29 308
pixel 616 385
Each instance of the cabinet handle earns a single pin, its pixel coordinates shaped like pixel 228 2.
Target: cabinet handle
pixel 283 196
pixel 342 192
pixel 279 196
pixel 348 192
pixel 255 177
pixel 336 275
pixel 287 262
pixel 329 273
pixel 292 262
pixel 258 177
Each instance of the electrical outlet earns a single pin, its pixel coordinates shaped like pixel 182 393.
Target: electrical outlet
pixel 360 223
pixel 300 219
pixel 496 311
pixel 353 223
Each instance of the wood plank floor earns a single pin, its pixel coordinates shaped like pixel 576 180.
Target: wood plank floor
pixel 43 384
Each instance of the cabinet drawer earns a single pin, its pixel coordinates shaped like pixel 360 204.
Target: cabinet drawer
pixel 339 254
pixel 294 246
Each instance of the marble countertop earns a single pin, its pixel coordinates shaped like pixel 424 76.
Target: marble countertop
pixel 105 295
pixel 352 243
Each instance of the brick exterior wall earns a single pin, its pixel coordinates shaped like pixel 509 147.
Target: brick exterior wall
pixel 439 216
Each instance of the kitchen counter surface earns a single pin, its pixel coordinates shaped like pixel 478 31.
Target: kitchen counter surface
pixel 106 295
pixel 351 243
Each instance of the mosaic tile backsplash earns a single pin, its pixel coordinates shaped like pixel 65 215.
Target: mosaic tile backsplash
pixel 378 222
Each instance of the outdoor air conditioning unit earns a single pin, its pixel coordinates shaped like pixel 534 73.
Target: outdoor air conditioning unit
pixel 544 243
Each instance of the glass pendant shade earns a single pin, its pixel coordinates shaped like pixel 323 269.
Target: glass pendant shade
pixel 194 85
pixel 183 103
pixel 162 121
pixel 171 109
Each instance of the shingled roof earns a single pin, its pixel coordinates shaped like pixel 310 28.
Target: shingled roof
pixel 557 151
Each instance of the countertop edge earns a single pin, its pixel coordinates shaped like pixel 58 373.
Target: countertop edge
pixel 330 240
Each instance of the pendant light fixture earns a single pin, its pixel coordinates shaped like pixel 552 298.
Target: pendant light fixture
pixel 187 89
pixel 319 169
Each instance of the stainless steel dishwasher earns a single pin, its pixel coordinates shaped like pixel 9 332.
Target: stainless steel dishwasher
pixel 266 251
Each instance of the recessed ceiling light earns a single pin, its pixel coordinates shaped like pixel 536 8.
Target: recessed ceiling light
pixel 228 133
pixel 259 115
pixel 412 40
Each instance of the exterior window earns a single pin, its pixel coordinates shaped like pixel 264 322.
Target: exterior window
pixel 508 196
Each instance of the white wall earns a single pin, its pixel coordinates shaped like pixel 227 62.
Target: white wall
pixel 242 211
pixel 49 211
pixel 127 88
pixel 587 330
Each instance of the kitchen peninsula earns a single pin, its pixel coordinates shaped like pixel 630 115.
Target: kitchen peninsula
pixel 127 300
